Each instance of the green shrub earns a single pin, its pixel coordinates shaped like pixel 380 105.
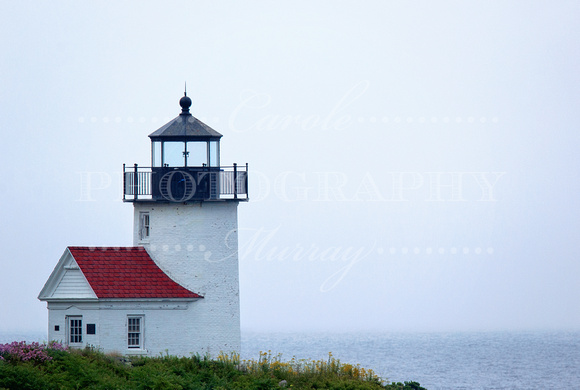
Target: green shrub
pixel 91 369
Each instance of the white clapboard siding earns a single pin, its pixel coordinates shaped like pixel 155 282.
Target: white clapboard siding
pixel 73 285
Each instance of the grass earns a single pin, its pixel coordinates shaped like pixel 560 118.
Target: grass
pixel 90 369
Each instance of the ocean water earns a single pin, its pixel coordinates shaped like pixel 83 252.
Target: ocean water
pixel 439 361
pixel 450 361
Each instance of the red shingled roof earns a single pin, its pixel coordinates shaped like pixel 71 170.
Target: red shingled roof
pixel 126 272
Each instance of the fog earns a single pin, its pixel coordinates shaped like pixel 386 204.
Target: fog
pixel 412 165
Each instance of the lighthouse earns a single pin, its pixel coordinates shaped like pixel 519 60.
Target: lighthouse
pixel 185 216
pixel 176 290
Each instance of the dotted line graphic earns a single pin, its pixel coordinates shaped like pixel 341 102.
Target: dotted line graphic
pixel 372 119
pixel 433 119
pixel 435 251
pixel 380 250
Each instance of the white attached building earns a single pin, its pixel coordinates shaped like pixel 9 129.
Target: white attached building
pixel 176 290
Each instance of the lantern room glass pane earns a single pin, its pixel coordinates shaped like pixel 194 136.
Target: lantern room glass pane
pixel 156 154
pixel 174 154
pixel 197 154
pixel 214 154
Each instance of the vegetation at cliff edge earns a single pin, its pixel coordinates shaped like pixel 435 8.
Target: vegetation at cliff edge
pixel 53 366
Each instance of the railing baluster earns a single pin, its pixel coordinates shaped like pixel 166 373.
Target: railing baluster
pixel 136 183
pixel 124 183
pixel 235 181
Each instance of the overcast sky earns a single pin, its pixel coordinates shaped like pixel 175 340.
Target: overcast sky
pixel 413 164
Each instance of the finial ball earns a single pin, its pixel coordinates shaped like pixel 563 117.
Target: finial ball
pixel 185 102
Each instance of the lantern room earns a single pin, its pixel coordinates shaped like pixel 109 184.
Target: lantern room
pixel 185 142
pixel 185 165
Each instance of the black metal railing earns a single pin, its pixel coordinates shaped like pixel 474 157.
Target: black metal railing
pixel 182 184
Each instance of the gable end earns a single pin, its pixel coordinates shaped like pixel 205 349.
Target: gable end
pixel 66 281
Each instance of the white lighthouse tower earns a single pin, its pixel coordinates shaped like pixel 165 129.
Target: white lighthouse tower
pixel 185 216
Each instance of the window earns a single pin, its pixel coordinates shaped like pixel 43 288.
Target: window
pixel 197 154
pixel 135 332
pixel 156 154
pixel 75 330
pixel 144 226
pixel 174 154
pixel 214 154
pixel 91 329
